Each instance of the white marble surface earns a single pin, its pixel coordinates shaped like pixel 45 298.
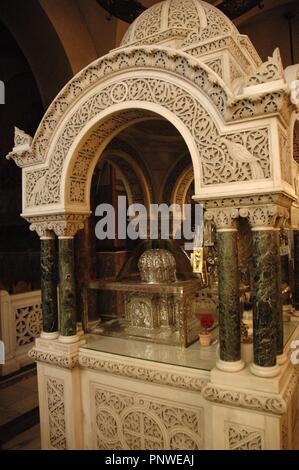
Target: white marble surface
pixel 195 356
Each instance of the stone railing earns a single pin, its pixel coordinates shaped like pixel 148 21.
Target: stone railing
pixel 20 324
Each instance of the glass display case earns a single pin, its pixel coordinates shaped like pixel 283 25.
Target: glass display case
pixel 154 297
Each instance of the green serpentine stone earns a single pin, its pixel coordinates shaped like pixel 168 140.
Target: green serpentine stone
pixel 229 303
pixel 279 312
pixel 67 290
pixel 49 286
pixel 265 308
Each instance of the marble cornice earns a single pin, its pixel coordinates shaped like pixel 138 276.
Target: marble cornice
pixel 160 374
pixel 276 404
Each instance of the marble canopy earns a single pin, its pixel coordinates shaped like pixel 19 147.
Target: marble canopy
pixel 185 61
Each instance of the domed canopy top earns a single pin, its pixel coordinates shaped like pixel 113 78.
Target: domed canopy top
pixel 192 20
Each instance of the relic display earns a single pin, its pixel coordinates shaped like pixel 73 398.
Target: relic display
pixel 157 289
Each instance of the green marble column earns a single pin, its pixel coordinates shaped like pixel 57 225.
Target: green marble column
pixel 279 312
pixel 296 269
pixel 265 308
pixel 49 285
pixel 229 297
pixel 67 289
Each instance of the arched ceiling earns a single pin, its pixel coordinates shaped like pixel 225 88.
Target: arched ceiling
pixel 38 41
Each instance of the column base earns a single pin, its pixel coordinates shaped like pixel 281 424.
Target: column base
pixel 282 359
pixel 226 366
pixel 68 339
pixel 53 335
pixel 265 372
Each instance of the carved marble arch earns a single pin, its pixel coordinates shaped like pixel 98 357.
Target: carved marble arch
pixel 178 182
pixel 77 174
pixel 137 184
pixel 179 194
pixel 65 151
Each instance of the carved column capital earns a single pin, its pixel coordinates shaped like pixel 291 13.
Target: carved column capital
pixel 223 218
pixel 269 216
pixel 69 226
pixel 63 225
pixel 42 230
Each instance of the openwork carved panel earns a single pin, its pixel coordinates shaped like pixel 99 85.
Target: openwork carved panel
pixel 285 161
pixel 128 421
pixel 217 66
pixel 296 142
pixel 28 323
pixel 235 72
pixel 184 14
pixel 222 159
pixel 217 24
pixel 197 21
pixel 56 411
pixel 269 71
pixel 149 22
pixel 239 437
pixel 120 60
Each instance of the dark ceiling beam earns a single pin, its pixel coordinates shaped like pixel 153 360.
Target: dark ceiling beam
pixel 234 9
pixel 126 10
pixel 129 10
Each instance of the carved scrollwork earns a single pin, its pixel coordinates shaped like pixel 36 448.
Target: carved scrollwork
pixel 268 71
pixel 28 323
pixel 197 23
pixel 56 413
pixel 265 215
pixel 140 372
pixel 223 159
pixel 240 437
pixel 63 225
pixel 253 401
pixel 223 218
pixel 65 361
pixel 126 420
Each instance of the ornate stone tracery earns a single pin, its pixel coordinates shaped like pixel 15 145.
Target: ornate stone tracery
pixel 56 407
pixel 243 437
pixel 184 61
pixel 223 161
pixel 131 421
pixel 269 71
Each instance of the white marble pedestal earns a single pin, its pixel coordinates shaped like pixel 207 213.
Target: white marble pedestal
pixel 105 398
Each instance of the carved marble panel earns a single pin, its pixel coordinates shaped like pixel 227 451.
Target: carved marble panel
pixel 240 437
pixel 129 421
pixel 28 323
pixel 56 413
pixel 223 159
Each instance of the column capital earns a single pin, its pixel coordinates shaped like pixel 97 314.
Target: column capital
pixel 42 230
pixel 63 225
pixel 265 217
pixel 223 218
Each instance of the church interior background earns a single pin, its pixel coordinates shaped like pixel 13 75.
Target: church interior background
pixel 126 344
